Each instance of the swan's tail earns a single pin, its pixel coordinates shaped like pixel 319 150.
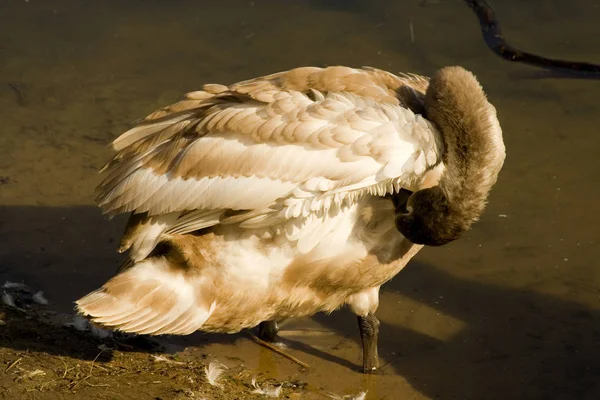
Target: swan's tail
pixel 155 296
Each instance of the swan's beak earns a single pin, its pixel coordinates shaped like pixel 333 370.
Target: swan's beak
pixel 400 201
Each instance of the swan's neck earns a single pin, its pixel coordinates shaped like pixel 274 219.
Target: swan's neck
pixel 474 147
pixel 457 106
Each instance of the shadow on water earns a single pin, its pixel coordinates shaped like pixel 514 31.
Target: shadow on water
pixel 512 343
pixel 515 343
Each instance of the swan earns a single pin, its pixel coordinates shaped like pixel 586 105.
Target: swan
pixel 291 194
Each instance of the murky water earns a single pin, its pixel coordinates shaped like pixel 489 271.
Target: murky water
pixel 512 311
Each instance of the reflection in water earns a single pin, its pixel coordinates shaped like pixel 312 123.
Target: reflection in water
pixel 518 298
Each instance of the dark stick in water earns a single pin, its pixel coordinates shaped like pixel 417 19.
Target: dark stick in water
pixel 490 28
pixel 18 89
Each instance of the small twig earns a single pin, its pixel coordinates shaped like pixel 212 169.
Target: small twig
pixel 35 373
pixel 385 365
pixel 89 375
pixel 412 31
pixel 12 364
pixel 73 385
pixel 268 345
pixel 337 346
pixel 93 361
pixel 98 385
pixel 21 97
pixel 123 345
pixel 67 369
pixel 98 366
pixel 44 385
pixel 165 360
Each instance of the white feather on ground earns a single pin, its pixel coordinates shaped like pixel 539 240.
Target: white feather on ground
pixel 99 333
pixel 13 285
pixel 270 391
pixel 213 372
pixel 39 298
pixel 82 325
pixel 359 396
pixel 8 300
pixel 78 323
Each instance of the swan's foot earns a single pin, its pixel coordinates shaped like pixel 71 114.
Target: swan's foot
pixel 267 331
pixel 369 332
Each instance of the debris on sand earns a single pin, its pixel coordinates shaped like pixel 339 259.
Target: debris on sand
pixel 55 355
pixel 160 358
pixel 33 373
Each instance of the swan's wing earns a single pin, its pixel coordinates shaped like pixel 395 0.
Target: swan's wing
pixel 270 151
pixel 378 85
pixel 381 86
pixel 244 155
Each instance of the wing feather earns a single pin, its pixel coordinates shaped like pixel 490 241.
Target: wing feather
pixel 211 159
pixel 280 146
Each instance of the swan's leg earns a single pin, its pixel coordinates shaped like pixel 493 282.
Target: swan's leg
pixel 267 331
pixel 369 332
pixel 364 304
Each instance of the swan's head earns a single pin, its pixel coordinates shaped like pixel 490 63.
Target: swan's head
pixel 474 154
pixel 428 218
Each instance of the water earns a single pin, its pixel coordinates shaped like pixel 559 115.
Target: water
pixel 510 311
